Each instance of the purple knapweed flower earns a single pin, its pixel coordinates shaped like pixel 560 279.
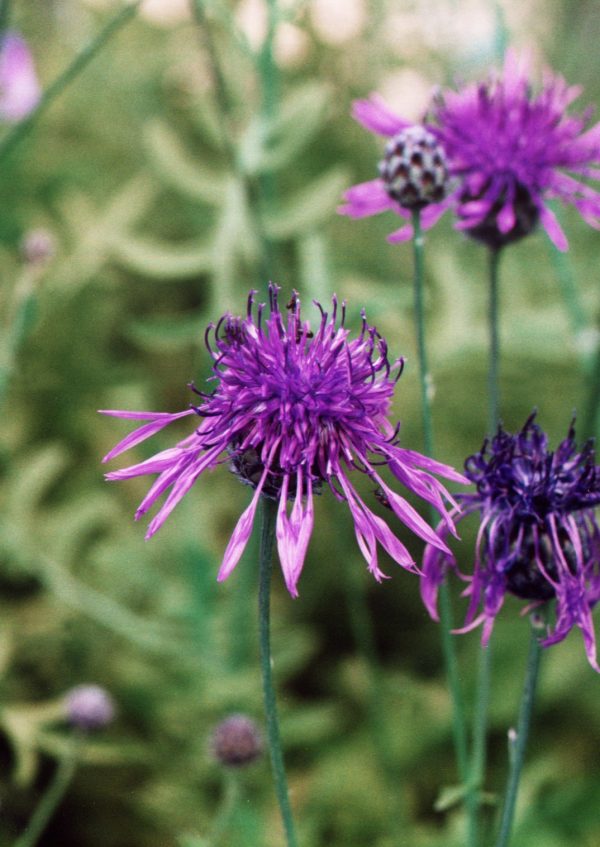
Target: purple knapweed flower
pixel 19 86
pixel 292 411
pixel 509 152
pixel 538 538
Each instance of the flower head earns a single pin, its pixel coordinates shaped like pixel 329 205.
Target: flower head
pixel 89 707
pixel 236 741
pixel 509 152
pixel 19 86
pixel 413 172
pixel 293 411
pixel 514 150
pixel 538 538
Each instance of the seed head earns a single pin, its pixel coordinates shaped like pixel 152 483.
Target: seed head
pixel 413 169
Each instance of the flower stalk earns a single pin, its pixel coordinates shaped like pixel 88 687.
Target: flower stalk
pixel 519 744
pixel 21 130
pixel 53 796
pixel 269 513
pixel 445 607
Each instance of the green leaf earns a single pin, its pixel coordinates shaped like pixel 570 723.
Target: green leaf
pixel 174 165
pixel 159 260
pixel 309 207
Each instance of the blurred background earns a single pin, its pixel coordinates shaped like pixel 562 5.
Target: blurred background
pixel 127 225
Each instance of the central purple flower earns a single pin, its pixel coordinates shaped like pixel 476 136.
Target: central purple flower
pixel 293 411
pixel 538 538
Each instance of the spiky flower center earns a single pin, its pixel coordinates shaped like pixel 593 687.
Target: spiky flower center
pixel 414 169
pixel 293 399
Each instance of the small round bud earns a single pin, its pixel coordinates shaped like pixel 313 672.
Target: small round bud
pixel 236 741
pixel 89 707
pixel 414 169
pixel 38 246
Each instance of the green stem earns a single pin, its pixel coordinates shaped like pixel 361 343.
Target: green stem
pixel 478 751
pixel 24 127
pixel 446 624
pixel 590 411
pixel 520 742
pixel 269 513
pixel 225 813
pixel 494 363
pixel 52 798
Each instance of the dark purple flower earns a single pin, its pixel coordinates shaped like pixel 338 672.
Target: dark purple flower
pixel 236 741
pixel 510 151
pixel 89 707
pixel 291 411
pixel 19 86
pixel 538 538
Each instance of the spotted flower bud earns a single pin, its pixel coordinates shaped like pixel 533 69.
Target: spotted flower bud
pixel 413 169
pixel 89 707
pixel 236 741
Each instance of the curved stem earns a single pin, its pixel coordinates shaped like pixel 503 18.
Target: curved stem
pixel 446 625
pixel 518 744
pixel 269 513
pixel 24 127
pixel 494 365
pixel 52 798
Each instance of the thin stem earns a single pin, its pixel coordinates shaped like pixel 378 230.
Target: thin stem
pixel 519 744
pixel 590 410
pixel 446 624
pixel 52 797
pixel 225 812
pixel 494 364
pixel 24 127
pixel 269 512
pixel 478 751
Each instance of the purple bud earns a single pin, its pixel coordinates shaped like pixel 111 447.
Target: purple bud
pixel 236 741
pixel 38 246
pixel 89 707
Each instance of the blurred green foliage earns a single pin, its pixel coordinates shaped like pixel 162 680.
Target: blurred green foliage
pixel 159 230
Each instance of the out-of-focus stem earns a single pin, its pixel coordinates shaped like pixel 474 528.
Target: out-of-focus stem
pixel 21 130
pixel 52 798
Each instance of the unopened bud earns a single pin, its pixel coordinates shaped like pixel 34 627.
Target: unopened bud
pixel 236 741
pixel 89 707
pixel 38 246
pixel 414 170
